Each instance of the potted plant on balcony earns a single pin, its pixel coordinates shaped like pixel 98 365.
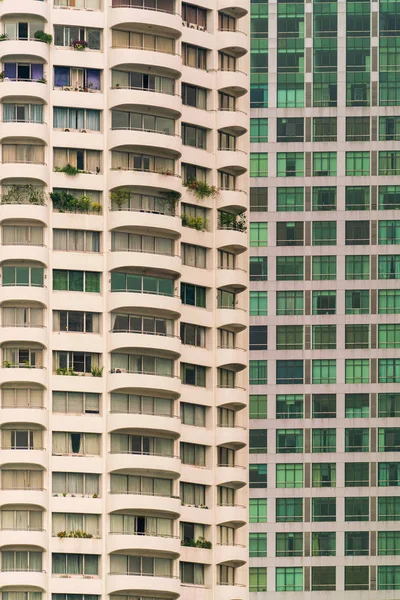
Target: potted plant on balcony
pixel 43 37
pixel 201 189
pixel 79 45
pixel 119 198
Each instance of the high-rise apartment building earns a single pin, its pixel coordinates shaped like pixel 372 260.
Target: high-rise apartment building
pixel 325 299
pixel 123 460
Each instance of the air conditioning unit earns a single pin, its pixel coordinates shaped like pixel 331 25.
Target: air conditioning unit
pixel 119 370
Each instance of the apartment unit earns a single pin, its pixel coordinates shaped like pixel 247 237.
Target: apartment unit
pixel 123 297
pixel 325 299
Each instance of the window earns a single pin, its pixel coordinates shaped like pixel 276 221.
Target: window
pixel 258 164
pixel 258 234
pixel 22 276
pixel 323 543
pixel 389 266
pixel 289 303
pixel 388 543
pixel 257 544
pixel 323 440
pixel 194 56
pixel 323 268
pixel 194 136
pixel 195 96
pixel 258 370
pixel 258 510
pixel 357 370
pixel 289 441
pixel 389 232
pixel 324 303
pixel 194 256
pixel 356 578
pixel 194 15
pixel 388 405
pixel 289 579
pixel 357 267
pixel 258 130
pixel 290 164
pixel 324 233
pixel 324 198
pixel 357 164
pixel 389 197
pixel 289 372
pixel 290 130
pixel 192 494
pixel 388 370
pixel 389 163
pixel 289 406
pixel 258 199
pixel 193 454
pixel 69 320
pixel 22 560
pixel 83 160
pixel 192 335
pixel 130 282
pixel 323 579
pixel 289 510
pixel 290 199
pixel 76 240
pixel 289 475
pixel 85 444
pixel 324 371
pixel 258 268
pixel 257 441
pixel 66 36
pixel 76 281
pixel 357 440
pixel 357 129
pixel 357 406
pixel 193 375
pixel 388 439
pixel 323 509
pixel 258 579
pixel 357 233
pixel 290 234
pixel 193 414
pixel 135 404
pixel 23 235
pixel 389 577
pixel 356 474
pixel 191 573
pixel 356 336
pixel 79 403
pixel 257 476
pixel 76 483
pixel 289 337
pixel 388 301
pixel 75 362
pixel 289 268
pixel 388 336
pixel 73 522
pixel 289 544
pixel 258 406
pixel 356 509
pixel 389 508
pixel 323 475
pixel 76 119
pixel 194 295
pixel 357 198
pixel 323 337
pixel 357 302
pixel 258 337
pixel 324 129
pixel 389 129
pixel 258 303
pixel 324 164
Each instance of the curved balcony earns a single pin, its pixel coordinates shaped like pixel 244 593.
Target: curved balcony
pixel 234 160
pixel 29 211
pixel 233 238
pixel 143 502
pixel 129 96
pixel 24 252
pixel 237 514
pixel 145 583
pixel 13 537
pixel 128 178
pixel 24 129
pixel 236 554
pixel 22 496
pixel 28 170
pixel 169 264
pixel 133 218
pixel 228 396
pixel 152 462
pixel 38 416
pixel 236 436
pixel 24 87
pixel 146 543
pixel 240 7
pixel 236 200
pixel 24 578
pixel 147 58
pixel 25 7
pixel 153 139
pixel 233 39
pixel 24 293
pixel 237 120
pixel 235 278
pixel 227 592
pixel 172 304
pixel 24 334
pixel 234 317
pixel 123 15
pixel 237 80
pixel 232 356
pixel 31 48
pixel 145 381
pixel 195 514
pixel 35 457
pixel 77 545
pixel 33 375
pixel 144 421
pixel 125 339
pixel 236 475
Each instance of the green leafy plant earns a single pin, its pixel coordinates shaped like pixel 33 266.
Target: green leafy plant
pixel 203 543
pixel 2 75
pixel 95 495
pixel 97 208
pixel 65 371
pixel 6 364
pixel 201 189
pixel 231 221
pixel 194 222
pixel 80 45
pixel 3 36
pixel 68 170
pixel 97 371
pixel 65 202
pixel 62 534
pixel 42 80
pixel 43 37
pixel 74 534
pixel 24 194
pixel 171 200
pixel 119 198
